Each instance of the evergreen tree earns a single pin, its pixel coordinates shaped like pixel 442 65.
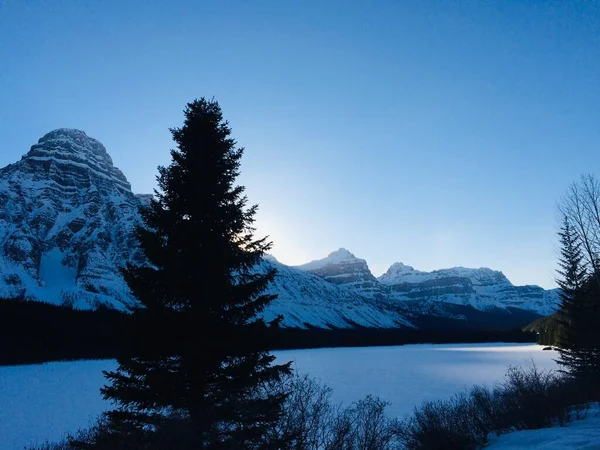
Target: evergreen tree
pixel 201 380
pixel 580 341
pixel 572 269
pixel 571 279
pixel 578 316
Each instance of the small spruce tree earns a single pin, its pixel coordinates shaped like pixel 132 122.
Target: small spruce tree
pixel 201 376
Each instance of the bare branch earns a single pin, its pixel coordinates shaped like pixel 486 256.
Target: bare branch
pixel 581 206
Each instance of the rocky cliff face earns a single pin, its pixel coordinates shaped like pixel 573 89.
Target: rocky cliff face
pixel 66 223
pixel 343 268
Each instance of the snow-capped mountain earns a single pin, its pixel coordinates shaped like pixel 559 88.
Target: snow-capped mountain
pixel 482 288
pixel 66 223
pixel 343 268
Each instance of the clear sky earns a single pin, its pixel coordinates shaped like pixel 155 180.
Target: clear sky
pixel 435 133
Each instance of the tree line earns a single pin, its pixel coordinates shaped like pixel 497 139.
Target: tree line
pixel 35 332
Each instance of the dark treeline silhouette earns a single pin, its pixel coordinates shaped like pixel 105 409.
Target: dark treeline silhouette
pixel 546 330
pixel 33 332
pixel 364 337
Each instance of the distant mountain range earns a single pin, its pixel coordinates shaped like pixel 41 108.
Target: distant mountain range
pixel 481 288
pixel 66 228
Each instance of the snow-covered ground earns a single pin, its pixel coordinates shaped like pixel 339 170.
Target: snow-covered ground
pixel 580 434
pixel 44 401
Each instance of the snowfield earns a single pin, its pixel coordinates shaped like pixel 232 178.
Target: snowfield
pixel 45 401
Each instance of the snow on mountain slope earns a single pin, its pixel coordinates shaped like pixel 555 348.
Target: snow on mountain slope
pixel 307 300
pixel 66 223
pixel 482 288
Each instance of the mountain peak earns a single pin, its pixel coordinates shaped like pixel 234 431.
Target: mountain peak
pixel 66 223
pixel 341 267
pixel 84 144
pixel 341 254
pixel 400 267
pixel 398 272
pixel 73 150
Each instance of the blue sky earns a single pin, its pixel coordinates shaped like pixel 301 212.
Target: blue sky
pixel 435 133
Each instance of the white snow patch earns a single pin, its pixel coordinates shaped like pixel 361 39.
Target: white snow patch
pixel 55 277
pixel 53 272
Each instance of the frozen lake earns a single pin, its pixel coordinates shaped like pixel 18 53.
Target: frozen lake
pixel 407 375
pixel 43 401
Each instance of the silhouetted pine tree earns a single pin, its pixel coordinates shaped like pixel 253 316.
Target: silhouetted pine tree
pixel 200 380
pixel 571 279
pixel 578 316
pixel 572 268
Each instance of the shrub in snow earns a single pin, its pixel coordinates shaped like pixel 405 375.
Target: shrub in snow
pixel 531 399
pixel 450 424
pixel 528 399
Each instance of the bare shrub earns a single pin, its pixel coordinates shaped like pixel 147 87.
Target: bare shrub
pixel 310 421
pixel 527 399
pixel 449 425
pixel 307 414
pixel 365 426
pixel 530 399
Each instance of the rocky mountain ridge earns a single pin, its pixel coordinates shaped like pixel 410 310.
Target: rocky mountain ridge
pixel 481 288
